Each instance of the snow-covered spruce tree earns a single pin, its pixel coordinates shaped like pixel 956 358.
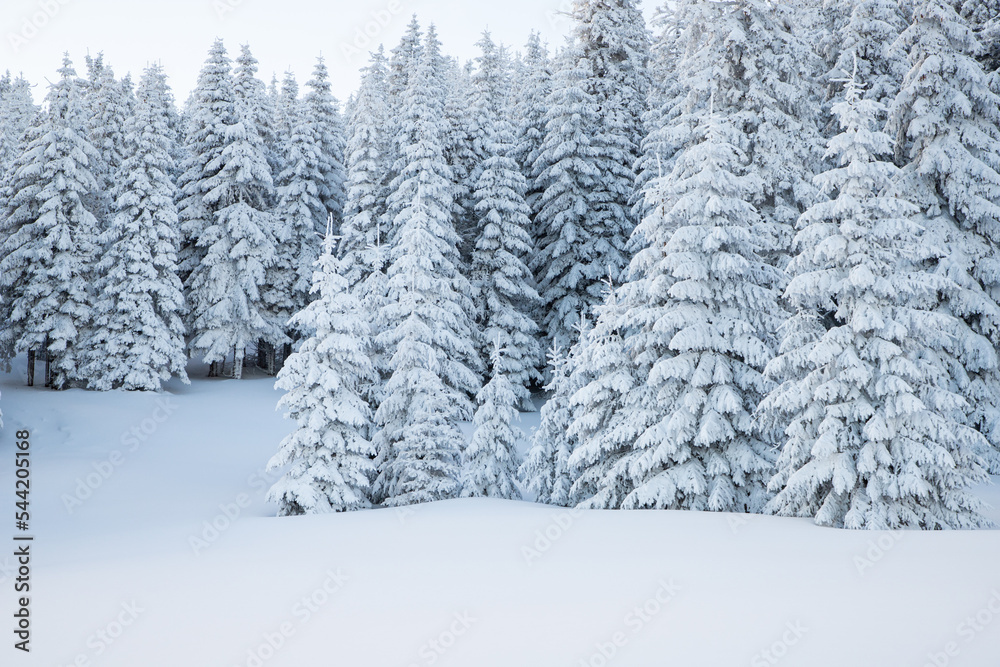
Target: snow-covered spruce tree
pixel 668 424
pixel 137 341
pixel 462 140
pixel 297 214
pixel 503 283
pixel 324 111
pixel 614 38
pixel 109 103
pixel 426 319
pixel 158 94
pixel 872 439
pixel 531 91
pixel 17 113
pixel 367 157
pixel 537 472
pixel 48 236
pixel 571 252
pixel 228 183
pixel 676 36
pixel 362 247
pixel 209 112
pixel 545 470
pixel 284 101
pixel 419 443
pixel 782 109
pixel 871 35
pixel 584 167
pixel 325 381
pixel 601 429
pixel 946 121
pixel 424 179
pixel 951 156
pixel 255 105
pixel 489 463
pixel 984 18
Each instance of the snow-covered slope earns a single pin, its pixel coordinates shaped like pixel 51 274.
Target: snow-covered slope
pixel 121 578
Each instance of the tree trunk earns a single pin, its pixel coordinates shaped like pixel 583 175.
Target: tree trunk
pixel 213 369
pixel 31 368
pixel 238 355
pixel 48 363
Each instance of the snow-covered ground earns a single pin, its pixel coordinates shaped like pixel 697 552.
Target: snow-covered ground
pixel 166 554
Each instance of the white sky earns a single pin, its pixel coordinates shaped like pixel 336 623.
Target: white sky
pixel 283 35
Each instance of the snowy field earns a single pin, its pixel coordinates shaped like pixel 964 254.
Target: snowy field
pixel 128 569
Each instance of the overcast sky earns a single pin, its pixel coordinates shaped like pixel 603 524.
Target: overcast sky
pixel 282 35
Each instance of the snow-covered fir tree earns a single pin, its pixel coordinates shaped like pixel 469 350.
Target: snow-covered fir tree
pixel 871 36
pixel 367 158
pixel 17 113
pixel 875 432
pixel 362 246
pixel 570 252
pixel 419 443
pixel 602 427
pixel 255 106
pixel 426 321
pixel 489 463
pixel 461 131
pixel 329 454
pixel 208 113
pixel 109 104
pixel 546 470
pixel 49 236
pixel 137 340
pixel 668 424
pixel 297 214
pixel 504 284
pixel 584 167
pixel 613 37
pixel 324 111
pixel 532 88
pixel 225 211
pixel 951 168
pixel 983 17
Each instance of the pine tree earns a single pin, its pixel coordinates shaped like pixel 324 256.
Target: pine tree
pixel 228 183
pixel 871 439
pixel 325 381
pixel 49 236
pixel 138 336
pixel 489 463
